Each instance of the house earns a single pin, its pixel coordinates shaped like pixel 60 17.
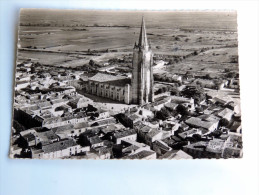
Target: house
pixel 58 149
pixel 222 99
pixel 29 137
pixel 160 102
pixel 171 129
pixel 202 123
pixel 70 130
pixel 171 105
pixel 189 133
pixel 68 119
pixel 153 135
pixel 187 102
pixel 232 152
pixel 160 147
pixel 80 102
pixel 103 113
pixel 95 141
pixel 130 119
pixel 233 146
pixel 215 148
pixel 15 150
pixel 79 84
pixel 110 128
pixel 143 155
pixel 103 152
pixel 207 149
pixel 125 135
pixel 176 155
pixel 235 127
pixel 143 130
pixel 21 84
pixel 196 150
pixel 130 147
pixel 102 121
pixel 33 138
pixel 226 114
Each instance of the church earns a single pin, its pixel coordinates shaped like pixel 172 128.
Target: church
pixel 138 89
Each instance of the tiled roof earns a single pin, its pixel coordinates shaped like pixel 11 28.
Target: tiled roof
pixel 226 112
pixel 197 122
pixel 197 146
pixel 174 154
pixel 124 133
pixel 47 136
pixel 162 145
pixel 120 82
pixel 140 155
pixel 95 140
pixel 57 146
pixel 153 133
pixel 100 77
pixel 215 146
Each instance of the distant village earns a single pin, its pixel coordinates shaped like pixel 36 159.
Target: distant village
pixel 174 116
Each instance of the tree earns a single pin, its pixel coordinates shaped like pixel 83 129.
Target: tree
pixel 18 127
pixel 91 108
pixel 216 133
pixel 223 122
pixel 208 76
pixel 32 69
pixel 197 93
pixel 174 92
pixel 231 74
pixel 195 53
pixel 182 110
pixel 163 114
pixel 171 61
pixel 197 137
pixel 95 124
pixel 91 63
pixel 199 109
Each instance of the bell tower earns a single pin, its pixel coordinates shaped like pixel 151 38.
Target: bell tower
pixel 142 73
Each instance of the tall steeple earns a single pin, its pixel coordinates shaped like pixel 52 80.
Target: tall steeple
pixel 142 72
pixel 143 36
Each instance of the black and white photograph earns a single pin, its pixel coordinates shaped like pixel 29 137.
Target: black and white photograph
pixel 92 84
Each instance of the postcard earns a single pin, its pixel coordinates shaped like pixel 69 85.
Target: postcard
pixel 95 84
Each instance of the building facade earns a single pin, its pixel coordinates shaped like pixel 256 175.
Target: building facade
pixel 142 73
pixel 138 89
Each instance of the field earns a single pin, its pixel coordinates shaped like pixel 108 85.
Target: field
pixel 74 38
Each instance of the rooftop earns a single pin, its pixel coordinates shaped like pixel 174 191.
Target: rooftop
pixel 197 122
pixel 124 133
pixel 176 154
pixel 57 146
pixel 101 77
pixel 140 155
pixel 95 140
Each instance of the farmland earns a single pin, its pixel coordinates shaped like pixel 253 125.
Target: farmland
pixel 75 40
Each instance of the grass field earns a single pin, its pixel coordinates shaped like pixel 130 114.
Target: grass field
pixel 72 34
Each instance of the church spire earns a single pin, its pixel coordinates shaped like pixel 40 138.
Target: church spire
pixel 143 36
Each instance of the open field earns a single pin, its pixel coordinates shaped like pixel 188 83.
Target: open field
pixel 214 61
pixel 60 39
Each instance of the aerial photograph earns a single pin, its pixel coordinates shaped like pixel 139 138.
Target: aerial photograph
pixel 92 84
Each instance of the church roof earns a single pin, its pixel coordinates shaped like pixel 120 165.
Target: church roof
pixel 143 36
pixel 110 79
pixel 120 82
pixel 101 77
